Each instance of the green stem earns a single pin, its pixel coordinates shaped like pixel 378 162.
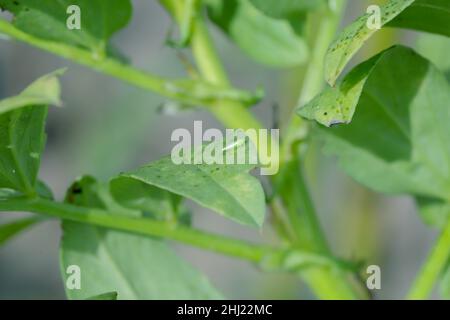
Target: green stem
pixel 325 283
pixel 231 114
pixel 434 265
pixel 314 77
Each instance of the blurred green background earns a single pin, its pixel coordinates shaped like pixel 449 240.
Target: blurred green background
pixel 106 126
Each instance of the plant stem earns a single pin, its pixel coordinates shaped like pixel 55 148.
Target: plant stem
pixel 231 114
pixel 434 265
pixel 102 218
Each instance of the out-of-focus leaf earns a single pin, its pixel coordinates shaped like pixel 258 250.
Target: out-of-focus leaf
pixel 267 40
pixel 47 19
pixel 424 15
pixel 22 136
pixel 158 203
pixel 285 9
pixel 227 189
pixel 398 140
pixel 43 190
pixel 105 296
pixel 11 229
pixel 117 261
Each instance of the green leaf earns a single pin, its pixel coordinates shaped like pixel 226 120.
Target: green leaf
pixel 47 19
pixel 9 230
pixel 267 40
pixel 117 261
pixel 185 18
pixel 22 138
pixel 201 92
pixel 423 15
pixel 105 296
pixel 285 9
pixel 227 189
pixel 398 140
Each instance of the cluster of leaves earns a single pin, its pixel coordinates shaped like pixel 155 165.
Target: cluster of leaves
pixel 389 115
pixel 113 260
pixel 395 137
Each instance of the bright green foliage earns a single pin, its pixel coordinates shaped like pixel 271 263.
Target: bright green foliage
pixel 387 121
pixel 22 138
pixel 227 189
pixel 269 41
pixel 11 229
pixel 423 15
pixel 47 19
pixel 445 285
pixel 398 138
pixel 134 266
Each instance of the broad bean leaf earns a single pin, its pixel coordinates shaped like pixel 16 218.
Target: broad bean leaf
pixel 152 201
pixel 114 261
pixel 398 140
pixel 227 189
pixel 11 229
pixel 22 137
pixel 47 19
pixel 423 15
pixel 267 40
pixel 285 9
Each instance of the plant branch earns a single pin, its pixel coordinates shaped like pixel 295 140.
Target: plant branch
pixel 192 92
pixel 314 77
pixel 434 265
